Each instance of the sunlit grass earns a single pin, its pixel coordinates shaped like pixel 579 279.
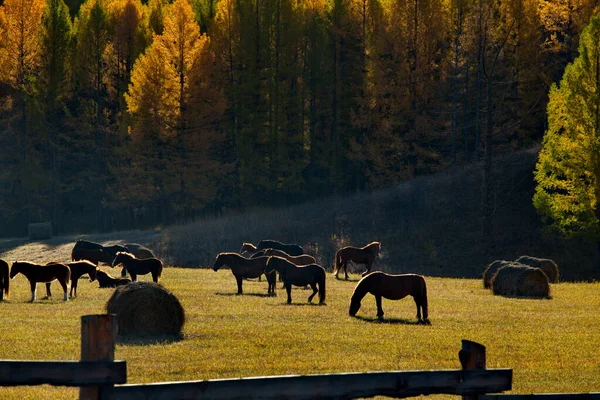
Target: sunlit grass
pixel 552 345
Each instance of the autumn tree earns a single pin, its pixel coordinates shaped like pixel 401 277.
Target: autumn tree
pixel 568 170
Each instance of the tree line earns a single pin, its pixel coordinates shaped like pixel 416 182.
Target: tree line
pixel 121 113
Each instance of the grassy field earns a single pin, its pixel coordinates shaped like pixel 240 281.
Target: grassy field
pixel 552 345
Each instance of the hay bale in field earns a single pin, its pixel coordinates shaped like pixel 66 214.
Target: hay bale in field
pixel 545 264
pixel 39 231
pixel 520 280
pixel 146 310
pixel 491 270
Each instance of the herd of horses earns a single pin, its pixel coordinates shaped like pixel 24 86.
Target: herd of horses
pixel 292 264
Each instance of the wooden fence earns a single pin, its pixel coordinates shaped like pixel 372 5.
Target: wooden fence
pixel 100 377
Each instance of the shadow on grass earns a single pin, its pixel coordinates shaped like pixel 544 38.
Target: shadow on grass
pixel 392 321
pixel 316 304
pixel 524 297
pixel 347 280
pixel 142 340
pixel 246 294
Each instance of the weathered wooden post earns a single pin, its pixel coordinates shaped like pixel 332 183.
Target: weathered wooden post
pixel 471 356
pixel 98 335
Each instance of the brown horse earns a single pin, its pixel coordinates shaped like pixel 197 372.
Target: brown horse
pixel 4 279
pixel 311 274
pixel 138 251
pixel 242 267
pixel 42 273
pixel 78 269
pixel 303 259
pixel 139 266
pixel 291 249
pixel 359 255
pixel 393 287
pixel 107 281
pixel 95 252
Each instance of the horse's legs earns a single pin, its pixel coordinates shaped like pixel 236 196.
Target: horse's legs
pixel 313 285
pixel 74 287
pixel 133 277
pixel 63 283
pixel 239 284
pixel 419 306
pixel 288 288
pixel 123 272
pixel 48 292
pixel 33 290
pixel 379 309
pixel 155 277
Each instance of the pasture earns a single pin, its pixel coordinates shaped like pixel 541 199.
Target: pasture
pixel 552 345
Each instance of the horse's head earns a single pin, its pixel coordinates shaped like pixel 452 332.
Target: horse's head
pixel 92 274
pixel 248 248
pixel 118 259
pixel 219 261
pixel 15 269
pixel 354 307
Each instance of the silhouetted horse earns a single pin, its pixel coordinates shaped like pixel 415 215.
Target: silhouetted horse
pixel 78 269
pixel 4 279
pixel 242 267
pixel 303 259
pixel 311 274
pixel 393 287
pixel 359 255
pixel 95 252
pixel 107 281
pixel 291 249
pixel 42 273
pixel 138 251
pixel 140 266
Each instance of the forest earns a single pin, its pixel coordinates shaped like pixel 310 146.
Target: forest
pixel 118 114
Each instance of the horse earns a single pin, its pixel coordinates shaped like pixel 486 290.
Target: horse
pixel 4 279
pixel 107 281
pixel 311 274
pixel 242 267
pixel 95 252
pixel 303 259
pixel 392 287
pixel 359 255
pixel 139 266
pixel 78 269
pixel 42 273
pixel 138 251
pixel 291 249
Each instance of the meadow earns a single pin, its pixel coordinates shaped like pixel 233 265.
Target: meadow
pixel 551 344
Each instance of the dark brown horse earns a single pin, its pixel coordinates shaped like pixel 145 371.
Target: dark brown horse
pixel 359 255
pixel 78 269
pixel 107 281
pixel 242 267
pixel 138 251
pixel 303 259
pixel 392 287
pixel 291 249
pixel 42 273
pixel 95 252
pixel 311 274
pixel 139 266
pixel 4 279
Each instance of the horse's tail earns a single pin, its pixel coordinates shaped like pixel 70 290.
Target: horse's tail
pixel 337 261
pixel 322 290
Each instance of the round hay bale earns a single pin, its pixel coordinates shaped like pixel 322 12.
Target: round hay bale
pixel 545 264
pixel 146 309
pixel 39 231
pixel 520 280
pixel 491 270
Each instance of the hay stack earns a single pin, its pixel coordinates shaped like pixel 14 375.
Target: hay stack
pixel 520 280
pixel 146 309
pixel 39 231
pixel 545 264
pixel 491 270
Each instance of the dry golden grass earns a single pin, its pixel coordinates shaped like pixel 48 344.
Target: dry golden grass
pixel 550 344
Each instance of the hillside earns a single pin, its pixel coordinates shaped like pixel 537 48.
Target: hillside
pixel 429 225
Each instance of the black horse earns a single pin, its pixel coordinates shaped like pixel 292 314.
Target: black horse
pixel 290 249
pixel 4 279
pixel 95 252
pixel 138 251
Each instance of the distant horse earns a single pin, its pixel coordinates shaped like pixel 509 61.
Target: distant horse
pixel 393 287
pixel 95 252
pixel 359 255
pixel 107 281
pixel 42 273
pixel 291 249
pixel 139 266
pixel 138 251
pixel 78 269
pixel 242 267
pixel 311 274
pixel 4 279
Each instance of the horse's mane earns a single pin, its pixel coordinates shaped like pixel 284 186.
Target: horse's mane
pixel 83 262
pixel 229 254
pixel 126 254
pixel 373 245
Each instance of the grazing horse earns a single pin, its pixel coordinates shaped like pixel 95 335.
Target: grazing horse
pixel 311 274
pixel 242 267
pixel 4 279
pixel 359 255
pixel 42 273
pixel 78 269
pixel 139 266
pixel 291 249
pixel 138 251
pixel 393 287
pixel 107 281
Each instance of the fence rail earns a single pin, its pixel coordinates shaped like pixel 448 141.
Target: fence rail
pixel 100 377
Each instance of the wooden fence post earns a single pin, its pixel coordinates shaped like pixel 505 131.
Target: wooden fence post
pixel 98 335
pixel 471 356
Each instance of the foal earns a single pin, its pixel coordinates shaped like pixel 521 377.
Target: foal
pixel 42 273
